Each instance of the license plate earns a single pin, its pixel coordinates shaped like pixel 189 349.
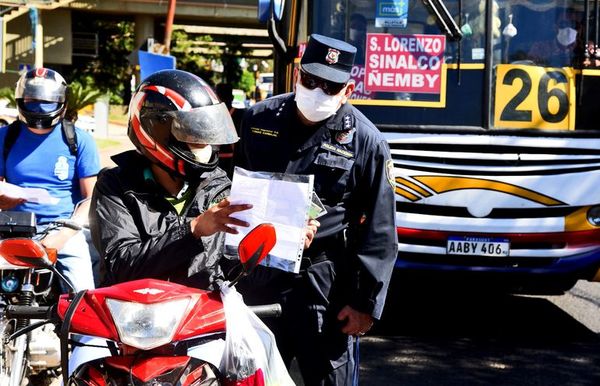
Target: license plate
pixel 477 246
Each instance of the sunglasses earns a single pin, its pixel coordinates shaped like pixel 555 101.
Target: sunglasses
pixel 311 82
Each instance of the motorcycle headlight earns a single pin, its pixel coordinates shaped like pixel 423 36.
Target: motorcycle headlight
pixel 146 326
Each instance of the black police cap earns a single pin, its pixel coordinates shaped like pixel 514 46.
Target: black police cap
pixel 328 58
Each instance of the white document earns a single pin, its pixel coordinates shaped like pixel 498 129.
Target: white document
pixel 36 195
pixel 280 199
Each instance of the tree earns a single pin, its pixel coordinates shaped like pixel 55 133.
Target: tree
pixel 8 93
pixel 110 71
pixel 233 52
pixel 247 82
pixel 195 54
pixel 79 97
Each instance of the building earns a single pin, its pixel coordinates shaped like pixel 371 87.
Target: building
pixel 49 32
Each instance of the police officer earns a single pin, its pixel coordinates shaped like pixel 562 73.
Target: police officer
pixel 346 269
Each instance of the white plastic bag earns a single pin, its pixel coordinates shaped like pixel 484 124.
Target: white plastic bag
pixel 249 344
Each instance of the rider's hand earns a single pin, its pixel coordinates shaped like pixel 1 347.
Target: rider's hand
pixel 217 219
pixel 7 203
pixel 357 323
pixel 311 230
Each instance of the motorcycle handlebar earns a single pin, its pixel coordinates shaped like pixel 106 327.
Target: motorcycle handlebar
pixel 46 312
pixel 71 224
pixel 267 310
pixel 29 312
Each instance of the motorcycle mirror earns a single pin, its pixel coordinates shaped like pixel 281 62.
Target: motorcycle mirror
pixel 256 245
pixel 27 253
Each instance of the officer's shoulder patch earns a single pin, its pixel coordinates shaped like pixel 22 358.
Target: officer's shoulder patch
pixel 348 121
pixel 389 171
pixel 345 136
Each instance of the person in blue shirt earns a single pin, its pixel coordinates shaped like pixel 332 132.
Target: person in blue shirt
pixel 41 157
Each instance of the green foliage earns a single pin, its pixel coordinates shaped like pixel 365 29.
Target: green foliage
pixel 247 82
pixel 233 52
pixel 109 73
pixel 9 94
pixel 194 54
pixel 105 143
pixel 197 55
pixel 79 97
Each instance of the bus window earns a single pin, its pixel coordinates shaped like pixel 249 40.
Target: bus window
pixel 404 59
pixel 357 21
pixel 546 37
pixel 535 66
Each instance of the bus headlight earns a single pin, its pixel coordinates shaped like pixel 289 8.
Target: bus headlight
pixel 593 216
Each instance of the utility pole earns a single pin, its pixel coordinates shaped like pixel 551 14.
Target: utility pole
pixel 37 32
pixel 169 24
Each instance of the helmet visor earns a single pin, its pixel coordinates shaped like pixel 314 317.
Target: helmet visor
pixel 41 107
pixel 210 125
pixel 43 89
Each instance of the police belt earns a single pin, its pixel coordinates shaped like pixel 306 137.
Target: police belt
pixel 327 248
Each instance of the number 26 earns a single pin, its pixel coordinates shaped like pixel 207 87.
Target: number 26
pixel 511 111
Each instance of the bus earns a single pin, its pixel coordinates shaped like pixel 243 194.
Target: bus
pixel 489 108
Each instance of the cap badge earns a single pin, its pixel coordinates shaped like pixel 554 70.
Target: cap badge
pixel 333 56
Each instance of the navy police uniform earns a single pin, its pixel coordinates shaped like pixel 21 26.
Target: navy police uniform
pixel 352 256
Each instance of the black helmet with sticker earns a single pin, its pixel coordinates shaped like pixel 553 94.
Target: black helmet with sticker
pixel 172 109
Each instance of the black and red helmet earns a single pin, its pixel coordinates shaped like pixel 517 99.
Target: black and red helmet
pixel 41 98
pixel 172 108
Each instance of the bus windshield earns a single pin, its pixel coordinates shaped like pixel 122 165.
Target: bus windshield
pixel 405 59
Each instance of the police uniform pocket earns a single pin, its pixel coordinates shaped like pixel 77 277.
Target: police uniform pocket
pixel 320 278
pixel 332 172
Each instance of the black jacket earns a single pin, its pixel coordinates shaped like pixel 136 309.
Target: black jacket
pixel 353 172
pixel 140 235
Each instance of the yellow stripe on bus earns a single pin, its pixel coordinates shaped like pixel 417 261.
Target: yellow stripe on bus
pixel 577 221
pixel 406 183
pixel 442 184
pixel 406 194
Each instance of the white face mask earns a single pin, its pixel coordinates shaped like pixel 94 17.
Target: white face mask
pixel 566 36
pixel 203 154
pixel 315 105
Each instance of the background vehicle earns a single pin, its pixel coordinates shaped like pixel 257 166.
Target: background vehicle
pixel 265 84
pixel 492 127
pixel 36 354
pixel 239 99
pixel 7 114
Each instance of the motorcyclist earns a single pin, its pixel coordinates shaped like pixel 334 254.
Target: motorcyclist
pixel 37 154
pixel 162 212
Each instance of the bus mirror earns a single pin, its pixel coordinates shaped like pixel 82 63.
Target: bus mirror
pixel 266 6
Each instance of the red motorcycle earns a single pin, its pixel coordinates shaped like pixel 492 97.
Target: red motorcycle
pixel 36 355
pixel 149 326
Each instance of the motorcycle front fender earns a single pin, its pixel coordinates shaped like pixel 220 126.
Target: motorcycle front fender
pixel 122 370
